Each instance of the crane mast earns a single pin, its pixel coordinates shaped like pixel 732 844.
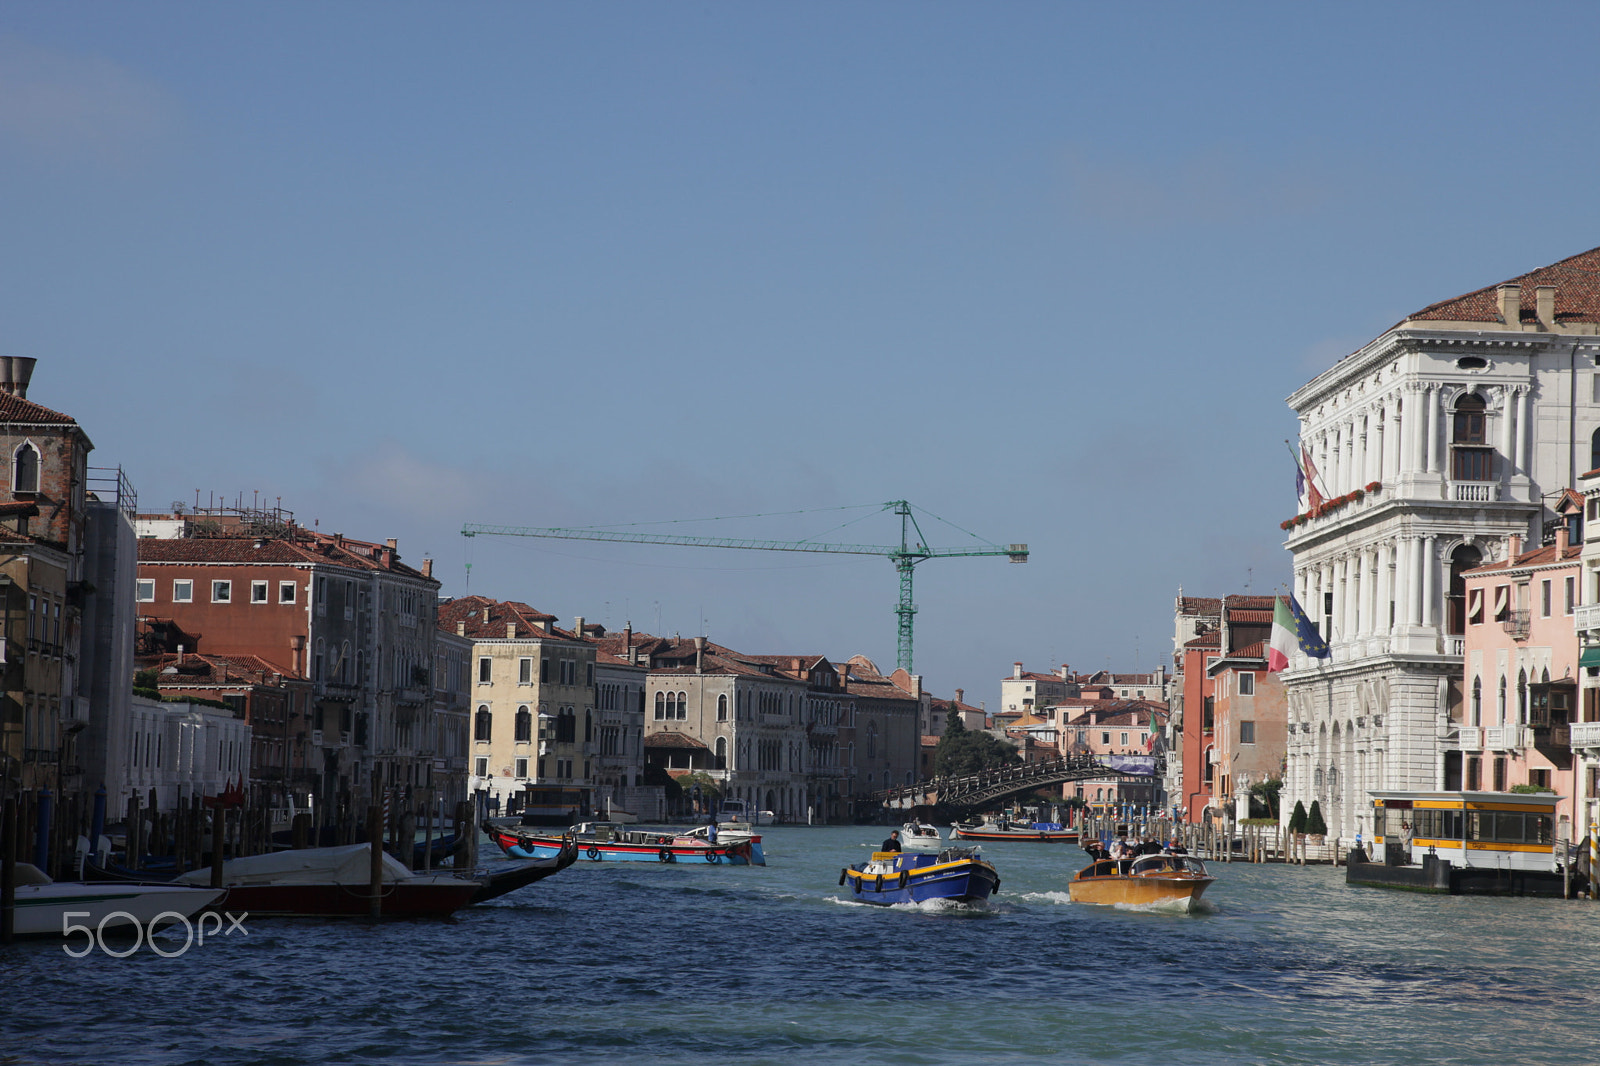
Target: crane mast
pixel 912 549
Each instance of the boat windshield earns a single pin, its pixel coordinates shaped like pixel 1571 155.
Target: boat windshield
pixel 1152 864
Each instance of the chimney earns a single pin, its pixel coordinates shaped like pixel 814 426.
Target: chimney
pixel 1514 547
pixel 297 644
pixel 461 629
pixel 699 654
pixel 511 631
pixel 1561 539
pixel 1544 304
pixel 180 654
pixel 627 634
pixel 1509 299
pixel 1065 672
pixel 1016 671
pixel 427 568
pixel 577 626
pixel 394 544
pixel 960 695
pixel 15 371
pixel 916 685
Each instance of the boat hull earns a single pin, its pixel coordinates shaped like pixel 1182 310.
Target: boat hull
pixel 422 897
pixel 661 849
pixel 1183 895
pixel 41 909
pixel 962 881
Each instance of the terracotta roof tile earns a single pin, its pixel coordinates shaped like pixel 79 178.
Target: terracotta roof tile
pixel 25 412
pixel 673 740
pixel 1577 282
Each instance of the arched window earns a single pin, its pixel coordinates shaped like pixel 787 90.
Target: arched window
pixel 1522 697
pixel 683 706
pixel 524 731
pixel 661 706
pixel 1594 450
pixel 872 740
pixel 588 727
pixel 482 723
pixel 1470 461
pixel 1502 703
pixel 25 468
pixel 722 704
pixel 722 753
pixel 1477 701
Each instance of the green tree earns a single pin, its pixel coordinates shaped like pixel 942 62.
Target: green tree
pixel 1297 818
pixel 964 751
pixel 1314 823
pixel 1264 797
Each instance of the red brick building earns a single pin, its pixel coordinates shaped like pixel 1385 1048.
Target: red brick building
pixel 345 616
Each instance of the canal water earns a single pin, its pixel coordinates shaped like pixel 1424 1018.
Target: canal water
pixel 679 964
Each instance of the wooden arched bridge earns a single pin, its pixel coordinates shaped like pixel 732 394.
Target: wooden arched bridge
pixel 960 796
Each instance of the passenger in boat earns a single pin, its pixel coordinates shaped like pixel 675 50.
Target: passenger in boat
pixel 1149 847
pixel 1175 847
pixel 711 830
pixel 893 843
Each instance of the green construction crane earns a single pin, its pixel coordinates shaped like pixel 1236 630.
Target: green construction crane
pixel 911 551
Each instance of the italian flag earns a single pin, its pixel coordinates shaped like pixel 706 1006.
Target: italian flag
pixel 1285 636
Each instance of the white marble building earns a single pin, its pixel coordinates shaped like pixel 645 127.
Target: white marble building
pixel 1468 416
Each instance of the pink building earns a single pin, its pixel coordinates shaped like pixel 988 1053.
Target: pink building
pixel 1516 699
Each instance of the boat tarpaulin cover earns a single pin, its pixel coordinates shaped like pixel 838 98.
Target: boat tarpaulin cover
pixel 1135 765
pixel 348 864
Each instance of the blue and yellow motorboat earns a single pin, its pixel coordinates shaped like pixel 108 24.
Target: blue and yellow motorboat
pixel 956 874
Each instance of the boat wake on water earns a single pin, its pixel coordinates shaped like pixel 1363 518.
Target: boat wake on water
pixel 1193 906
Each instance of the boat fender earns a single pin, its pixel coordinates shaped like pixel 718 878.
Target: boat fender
pixel 666 855
pixel 711 856
pixel 661 840
pixel 905 877
pixel 593 853
pixel 996 889
pixel 842 874
pixel 879 886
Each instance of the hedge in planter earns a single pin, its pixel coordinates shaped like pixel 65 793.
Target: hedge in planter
pixel 1297 820
pixel 1315 826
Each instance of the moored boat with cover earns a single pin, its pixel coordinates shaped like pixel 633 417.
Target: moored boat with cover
pixel 601 842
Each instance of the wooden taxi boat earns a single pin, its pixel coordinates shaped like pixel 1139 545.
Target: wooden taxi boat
pixel 1167 881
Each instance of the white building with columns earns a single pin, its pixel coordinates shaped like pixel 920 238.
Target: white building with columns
pixel 1436 442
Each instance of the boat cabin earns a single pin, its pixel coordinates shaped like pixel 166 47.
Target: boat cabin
pixel 1146 866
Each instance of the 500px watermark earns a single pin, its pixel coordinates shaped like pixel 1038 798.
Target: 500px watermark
pixel 143 932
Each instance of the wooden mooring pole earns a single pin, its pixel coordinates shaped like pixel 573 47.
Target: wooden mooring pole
pixel 375 841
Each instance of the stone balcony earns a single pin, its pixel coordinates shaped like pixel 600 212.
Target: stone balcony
pixel 1470 738
pixel 1474 491
pixel 1586 618
pixel 1505 737
pixel 1585 735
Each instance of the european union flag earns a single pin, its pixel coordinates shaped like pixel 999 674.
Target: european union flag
pixel 1305 632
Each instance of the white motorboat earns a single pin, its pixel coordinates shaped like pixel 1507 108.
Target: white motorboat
pixel 47 908
pixel 727 833
pixel 919 836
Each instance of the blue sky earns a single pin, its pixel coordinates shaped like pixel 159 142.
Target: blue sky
pixel 1046 270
